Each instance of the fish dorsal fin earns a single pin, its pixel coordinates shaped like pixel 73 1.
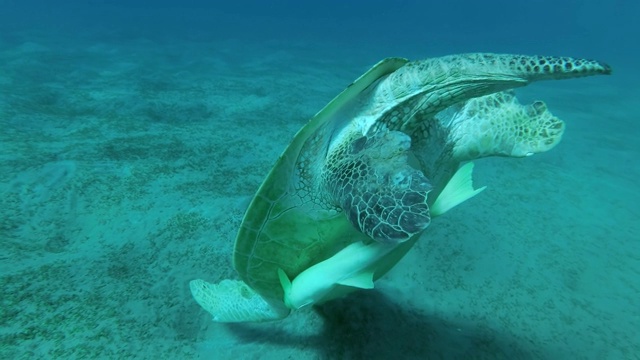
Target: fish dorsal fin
pixel 458 190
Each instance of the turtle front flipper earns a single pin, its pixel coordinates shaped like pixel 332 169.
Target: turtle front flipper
pixel 425 87
pixel 498 125
pixel 381 194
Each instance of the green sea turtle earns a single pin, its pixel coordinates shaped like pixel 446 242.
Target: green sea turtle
pixel 361 181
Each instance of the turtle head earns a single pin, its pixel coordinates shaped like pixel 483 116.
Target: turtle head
pixel 382 195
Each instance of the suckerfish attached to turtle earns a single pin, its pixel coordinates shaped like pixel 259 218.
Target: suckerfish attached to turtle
pixel 361 181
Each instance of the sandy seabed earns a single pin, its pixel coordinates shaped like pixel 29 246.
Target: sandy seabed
pixel 125 170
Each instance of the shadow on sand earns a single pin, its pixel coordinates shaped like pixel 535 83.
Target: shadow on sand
pixel 367 325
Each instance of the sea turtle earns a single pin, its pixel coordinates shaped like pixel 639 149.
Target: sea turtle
pixel 360 182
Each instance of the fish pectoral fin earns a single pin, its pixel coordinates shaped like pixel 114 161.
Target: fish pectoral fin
pixel 286 287
pixel 363 280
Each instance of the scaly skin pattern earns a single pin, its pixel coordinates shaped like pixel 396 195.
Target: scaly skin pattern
pixel 290 224
pixel 498 125
pixel 490 125
pixel 383 197
pixel 300 216
pixel 428 86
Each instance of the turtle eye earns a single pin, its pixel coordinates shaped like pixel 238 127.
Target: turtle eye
pixel 358 145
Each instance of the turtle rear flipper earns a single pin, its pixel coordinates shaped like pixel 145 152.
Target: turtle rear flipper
pixel 234 301
pixel 498 125
pixel 381 194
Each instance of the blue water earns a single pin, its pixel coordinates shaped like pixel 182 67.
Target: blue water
pixel 133 136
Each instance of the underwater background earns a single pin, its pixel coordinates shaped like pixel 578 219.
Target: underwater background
pixel 133 134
